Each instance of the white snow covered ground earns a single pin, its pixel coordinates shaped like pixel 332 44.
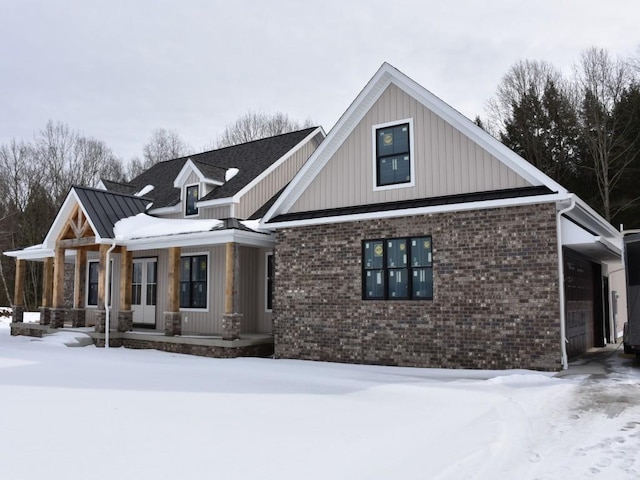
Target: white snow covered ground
pixel 88 413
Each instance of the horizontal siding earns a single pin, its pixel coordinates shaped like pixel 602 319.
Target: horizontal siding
pixel 447 162
pixel 275 181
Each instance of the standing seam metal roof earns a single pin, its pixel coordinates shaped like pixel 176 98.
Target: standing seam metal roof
pixel 105 208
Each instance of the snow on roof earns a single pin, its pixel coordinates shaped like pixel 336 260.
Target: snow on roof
pixel 144 191
pixel 146 226
pixel 230 173
pixel 254 225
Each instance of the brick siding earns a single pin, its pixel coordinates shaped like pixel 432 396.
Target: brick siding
pixel 495 301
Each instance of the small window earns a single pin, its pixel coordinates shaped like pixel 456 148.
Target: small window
pixel 397 269
pixel 393 155
pixel 92 284
pixel 93 280
pixel 270 273
pixel 192 198
pixel 193 281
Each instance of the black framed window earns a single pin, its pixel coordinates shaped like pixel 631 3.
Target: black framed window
pixel 397 269
pixel 92 283
pixel 270 273
pixel 393 155
pixel 193 281
pixel 192 198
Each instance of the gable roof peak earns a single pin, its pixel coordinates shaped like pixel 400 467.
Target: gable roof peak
pixel 373 90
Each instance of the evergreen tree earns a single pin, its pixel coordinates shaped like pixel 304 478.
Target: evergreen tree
pixel 542 128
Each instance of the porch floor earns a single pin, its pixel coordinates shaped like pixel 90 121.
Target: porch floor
pixel 248 345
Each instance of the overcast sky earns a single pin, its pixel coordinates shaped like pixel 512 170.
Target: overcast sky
pixel 116 70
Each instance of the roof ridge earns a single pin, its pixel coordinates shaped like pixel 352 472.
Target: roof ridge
pixel 99 190
pixel 191 155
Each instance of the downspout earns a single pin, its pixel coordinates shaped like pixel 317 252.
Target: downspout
pixel 563 313
pixel 107 293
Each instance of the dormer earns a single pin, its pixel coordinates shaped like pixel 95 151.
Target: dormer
pixel 195 180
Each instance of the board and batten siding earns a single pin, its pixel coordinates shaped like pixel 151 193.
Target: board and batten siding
pixel 276 180
pixel 446 161
pixel 251 288
pixel 220 212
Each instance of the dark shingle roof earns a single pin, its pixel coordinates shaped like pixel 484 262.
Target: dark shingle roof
pixel 251 159
pixel 105 208
pixel 417 203
pixel 118 187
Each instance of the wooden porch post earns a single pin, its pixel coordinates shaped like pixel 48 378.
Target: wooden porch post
pixel 172 317
pixel 57 310
pixel 79 278
pixel 231 320
pixel 230 275
pixel 102 272
pixel 47 292
pixel 125 315
pixel 18 291
pixel 47 282
pixel 79 282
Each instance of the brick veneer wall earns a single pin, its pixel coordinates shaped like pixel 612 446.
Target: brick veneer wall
pixel 495 305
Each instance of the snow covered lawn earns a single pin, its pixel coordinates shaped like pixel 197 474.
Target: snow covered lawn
pixel 88 413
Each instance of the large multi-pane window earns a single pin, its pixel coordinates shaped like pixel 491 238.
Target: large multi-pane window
pixel 393 155
pixel 192 198
pixel 193 281
pixel 397 269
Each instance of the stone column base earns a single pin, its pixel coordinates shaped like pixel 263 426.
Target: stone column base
pixel 77 316
pixel 231 323
pixel 172 323
pixel 58 316
pixel 100 317
pixel 125 320
pixel 45 315
pixel 17 315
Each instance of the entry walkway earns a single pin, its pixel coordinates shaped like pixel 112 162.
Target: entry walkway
pixel 602 361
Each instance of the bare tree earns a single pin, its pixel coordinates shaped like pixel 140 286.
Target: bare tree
pixel 164 145
pixel 602 82
pixel 256 125
pixel 524 78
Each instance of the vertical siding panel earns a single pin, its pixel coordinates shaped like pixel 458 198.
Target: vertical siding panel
pixel 249 279
pixel 447 161
pixel 433 161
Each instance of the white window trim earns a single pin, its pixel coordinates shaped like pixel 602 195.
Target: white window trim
pixel 266 281
pixel 197 254
pixel 184 199
pixel 412 169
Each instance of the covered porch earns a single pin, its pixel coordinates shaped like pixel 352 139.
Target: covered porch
pixel 184 286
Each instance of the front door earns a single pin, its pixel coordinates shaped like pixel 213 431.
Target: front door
pixel 143 292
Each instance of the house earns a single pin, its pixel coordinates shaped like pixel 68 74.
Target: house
pixel 189 267
pixel 408 236
pixel 412 237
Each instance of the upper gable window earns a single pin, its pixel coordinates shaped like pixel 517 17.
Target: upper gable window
pixel 192 198
pixel 393 155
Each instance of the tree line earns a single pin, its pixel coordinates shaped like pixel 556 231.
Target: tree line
pixel 583 130
pixel 36 175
